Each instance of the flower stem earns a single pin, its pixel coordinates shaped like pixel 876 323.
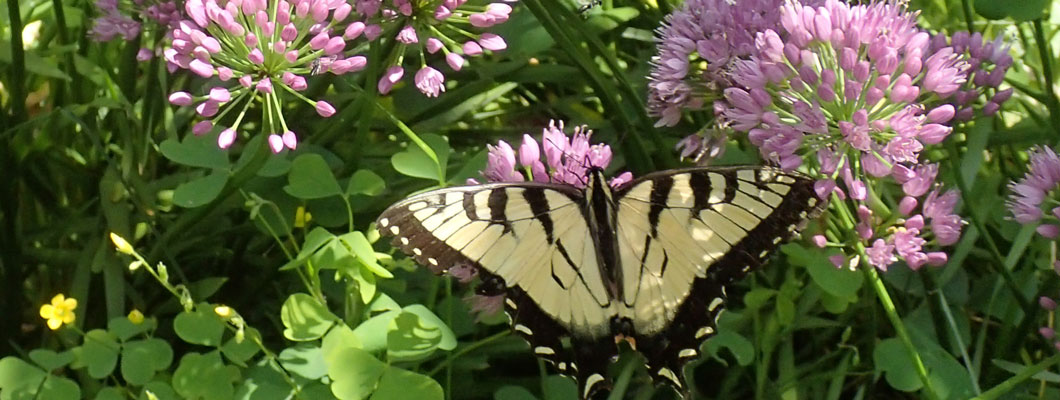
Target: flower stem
pixel 896 321
pixel 1046 56
pixel 471 347
pixel 1011 383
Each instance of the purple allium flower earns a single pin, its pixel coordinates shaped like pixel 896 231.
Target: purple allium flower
pixel 697 47
pixel 567 159
pixel 427 27
pixel 269 47
pixel 989 60
pixel 850 93
pixel 115 20
pixel 1036 192
pixel 881 254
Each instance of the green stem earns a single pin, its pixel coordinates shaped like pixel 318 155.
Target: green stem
pixel 622 383
pixel 896 321
pixel 967 6
pixel 16 86
pixel 471 347
pixel 415 139
pixel 1047 71
pixel 1011 383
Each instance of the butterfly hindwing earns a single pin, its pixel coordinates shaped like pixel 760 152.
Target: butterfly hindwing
pixel 684 236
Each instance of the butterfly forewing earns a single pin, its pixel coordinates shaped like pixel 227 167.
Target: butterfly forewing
pixel 685 235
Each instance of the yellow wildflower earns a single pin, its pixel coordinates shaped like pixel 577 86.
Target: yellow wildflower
pixel 223 311
pixel 301 217
pixel 59 312
pixel 136 317
pixel 120 244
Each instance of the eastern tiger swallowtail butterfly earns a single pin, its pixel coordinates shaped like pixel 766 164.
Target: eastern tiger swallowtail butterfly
pixel 648 261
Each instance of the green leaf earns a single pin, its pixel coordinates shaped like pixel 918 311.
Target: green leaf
pixel 313 241
pixel 839 282
pixel 200 191
pixel 515 393
pixel 354 373
pixel 206 287
pixel 49 359
pixel 1026 10
pixel 991 9
pixel 124 329
pixel 201 326
pixel 366 284
pixel 204 376
pixel 338 338
pixel 304 360
pixel 429 327
pixel 16 373
pixel 161 390
pixel 141 359
pixel 264 381
pixel 416 163
pixel 400 384
pixel 99 353
pixel 373 332
pixel 740 347
pixel 362 248
pixel 365 182
pixel 305 318
pixel 110 393
pixel 311 178
pixel 892 360
pixel 195 151
pixel 238 352
pixel 48 67
pixel 59 388
pixel 557 387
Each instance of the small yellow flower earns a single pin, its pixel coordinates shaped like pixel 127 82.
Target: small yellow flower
pixel 120 244
pixel 223 311
pixel 301 217
pixel 59 312
pixel 136 317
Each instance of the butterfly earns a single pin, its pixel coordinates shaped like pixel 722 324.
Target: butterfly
pixel 647 262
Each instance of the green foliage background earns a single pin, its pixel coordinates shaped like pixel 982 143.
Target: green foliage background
pixel 90 146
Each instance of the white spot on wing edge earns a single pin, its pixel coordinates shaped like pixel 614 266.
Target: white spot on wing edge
pixel 432 260
pixel 417 251
pixel 715 303
pixel 404 241
pixel 704 331
pixel 523 328
pixel 383 222
pixel 395 230
pixel 591 381
pixel 543 350
pixel 511 303
pixel 687 353
pixel 668 374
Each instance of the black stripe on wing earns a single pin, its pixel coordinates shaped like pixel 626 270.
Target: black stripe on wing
pixel 541 331
pixel 668 351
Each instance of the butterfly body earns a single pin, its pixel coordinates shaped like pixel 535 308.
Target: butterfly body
pixel 647 262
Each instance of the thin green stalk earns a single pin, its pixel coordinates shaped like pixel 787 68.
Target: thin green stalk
pixel 967 6
pixel 471 347
pixel 1011 383
pixel 191 218
pixel 618 392
pixel 896 321
pixel 16 85
pixel 415 139
pixel 606 91
pixel 1047 71
pixel 951 323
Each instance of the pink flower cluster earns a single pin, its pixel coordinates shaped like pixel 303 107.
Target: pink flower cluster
pixel 988 62
pixel 115 21
pixel 567 159
pixel 850 92
pixel 447 26
pixel 253 47
pixel 697 45
pixel 1037 193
